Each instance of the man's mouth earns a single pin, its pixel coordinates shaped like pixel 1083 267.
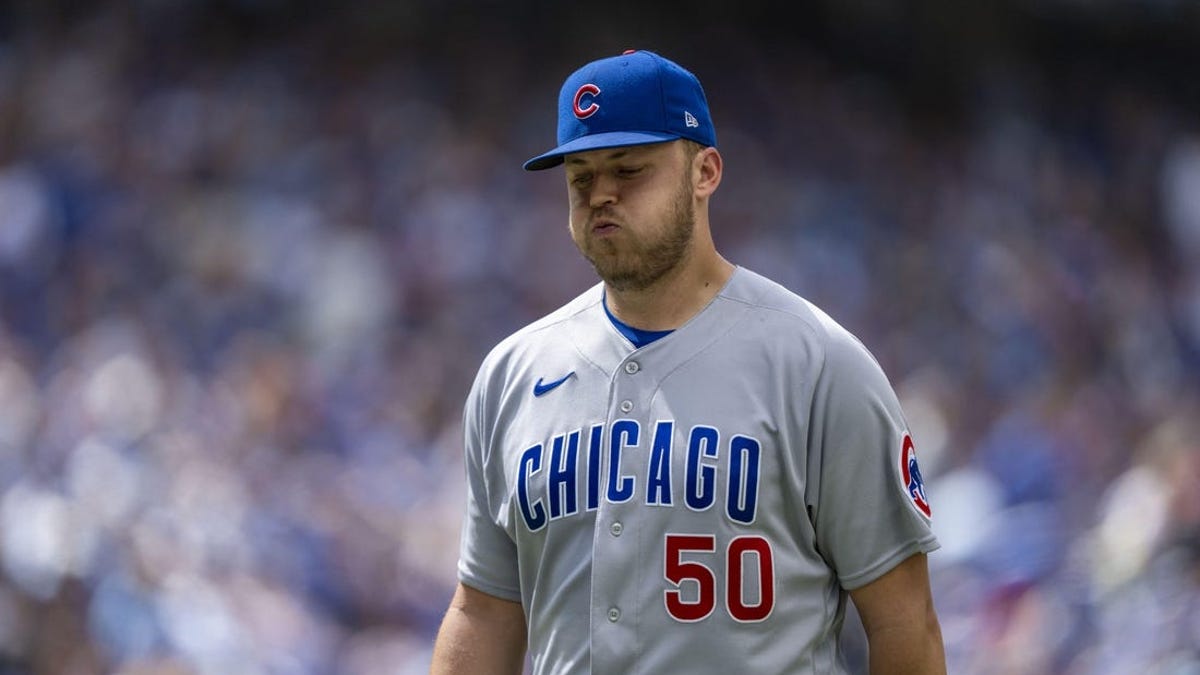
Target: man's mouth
pixel 604 226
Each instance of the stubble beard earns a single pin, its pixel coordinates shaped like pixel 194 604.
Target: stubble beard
pixel 635 264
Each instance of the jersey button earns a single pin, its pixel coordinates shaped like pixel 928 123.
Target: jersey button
pixel 632 367
pixel 626 406
pixel 614 614
pixel 615 528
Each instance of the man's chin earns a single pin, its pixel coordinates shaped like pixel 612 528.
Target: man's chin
pixel 626 280
pixel 618 278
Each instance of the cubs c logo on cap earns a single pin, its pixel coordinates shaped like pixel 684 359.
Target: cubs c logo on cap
pixel 910 473
pixel 591 91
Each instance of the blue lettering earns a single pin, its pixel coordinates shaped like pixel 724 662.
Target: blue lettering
pixel 700 479
pixel 705 462
pixel 563 477
pixel 534 514
pixel 593 486
pixel 624 434
pixel 742 499
pixel 658 484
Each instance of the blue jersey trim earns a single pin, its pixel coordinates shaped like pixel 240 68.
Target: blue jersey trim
pixel 639 338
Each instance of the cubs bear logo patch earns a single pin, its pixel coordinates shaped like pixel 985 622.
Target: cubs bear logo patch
pixel 910 473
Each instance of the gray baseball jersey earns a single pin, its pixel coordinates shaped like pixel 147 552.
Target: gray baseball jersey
pixel 700 504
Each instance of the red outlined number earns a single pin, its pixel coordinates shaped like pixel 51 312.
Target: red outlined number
pixel 677 571
pixel 740 550
pixel 735 597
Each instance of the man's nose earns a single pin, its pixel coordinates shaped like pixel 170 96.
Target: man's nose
pixel 605 190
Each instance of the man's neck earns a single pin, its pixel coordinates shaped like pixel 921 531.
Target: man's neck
pixel 674 299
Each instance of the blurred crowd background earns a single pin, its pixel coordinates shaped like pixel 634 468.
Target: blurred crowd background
pixel 252 252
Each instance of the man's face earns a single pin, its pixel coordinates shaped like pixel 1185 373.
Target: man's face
pixel 632 214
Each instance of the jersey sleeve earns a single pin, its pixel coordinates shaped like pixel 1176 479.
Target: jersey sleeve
pixel 869 508
pixel 487 554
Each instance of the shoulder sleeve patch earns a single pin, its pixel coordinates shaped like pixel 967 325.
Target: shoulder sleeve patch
pixel 910 474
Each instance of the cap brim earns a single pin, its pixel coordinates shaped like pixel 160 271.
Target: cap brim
pixel 612 139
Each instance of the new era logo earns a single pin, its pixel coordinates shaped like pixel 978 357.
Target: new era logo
pixel 689 119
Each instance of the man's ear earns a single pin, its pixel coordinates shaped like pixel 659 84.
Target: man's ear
pixel 707 167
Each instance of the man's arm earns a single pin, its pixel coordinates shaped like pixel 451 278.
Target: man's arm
pixel 901 625
pixel 480 634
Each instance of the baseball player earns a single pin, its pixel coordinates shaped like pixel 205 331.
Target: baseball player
pixel 687 468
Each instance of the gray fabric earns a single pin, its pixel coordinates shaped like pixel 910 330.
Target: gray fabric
pixel 761 378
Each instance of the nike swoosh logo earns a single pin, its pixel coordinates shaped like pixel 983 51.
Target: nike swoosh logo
pixel 540 389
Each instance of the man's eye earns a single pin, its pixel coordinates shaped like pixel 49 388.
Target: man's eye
pixel 628 171
pixel 581 179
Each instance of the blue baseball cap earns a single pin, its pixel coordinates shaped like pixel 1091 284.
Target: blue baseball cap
pixel 636 98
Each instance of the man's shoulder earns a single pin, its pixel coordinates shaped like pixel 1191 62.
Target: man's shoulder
pixel 799 324
pixel 529 339
pixel 770 298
